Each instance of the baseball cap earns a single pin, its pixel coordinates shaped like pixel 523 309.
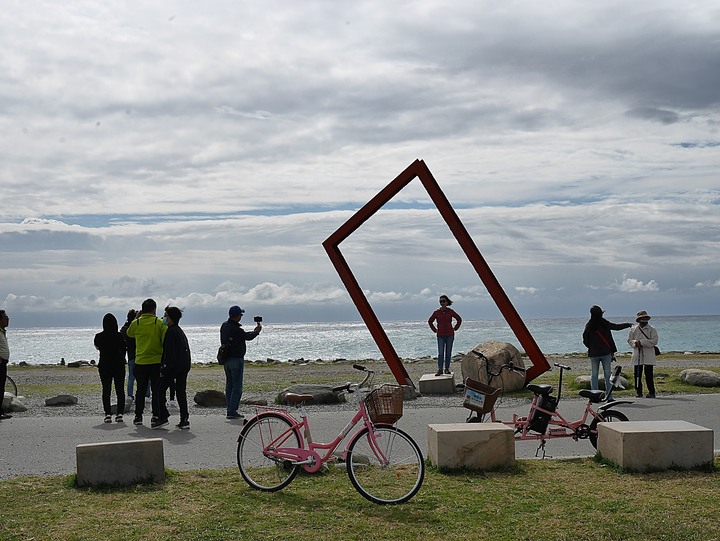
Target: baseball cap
pixel 235 311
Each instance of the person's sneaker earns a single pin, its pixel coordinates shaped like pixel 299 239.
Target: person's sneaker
pixel 118 418
pixel 438 373
pixel 183 425
pixel 108 419
pixel 447 370
pixel 158 423
pixel 138 420
pixel 649 396
pixel 638 396
pixel 235 415
pixel 5 416
pixel 153 419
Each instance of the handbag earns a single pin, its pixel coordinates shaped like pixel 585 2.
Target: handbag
pixel 657 349
pixel 223 351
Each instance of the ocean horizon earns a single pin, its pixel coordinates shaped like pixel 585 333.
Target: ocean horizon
pixel 351 340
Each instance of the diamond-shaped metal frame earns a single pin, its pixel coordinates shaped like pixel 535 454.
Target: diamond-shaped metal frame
pixel 419 170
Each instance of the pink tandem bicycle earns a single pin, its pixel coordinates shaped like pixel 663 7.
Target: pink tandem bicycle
pixel 384 463
pixel 544 421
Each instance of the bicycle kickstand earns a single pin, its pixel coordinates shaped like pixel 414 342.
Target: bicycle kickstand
pixel 541 447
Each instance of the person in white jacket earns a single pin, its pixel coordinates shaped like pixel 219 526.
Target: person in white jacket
pixel 643 338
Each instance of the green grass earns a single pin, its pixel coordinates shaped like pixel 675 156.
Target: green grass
pixel 538 499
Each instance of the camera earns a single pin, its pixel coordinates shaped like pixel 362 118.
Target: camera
pixel 257 319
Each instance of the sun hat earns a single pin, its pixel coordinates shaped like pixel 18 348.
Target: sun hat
pixel 235 311
pixel 642 314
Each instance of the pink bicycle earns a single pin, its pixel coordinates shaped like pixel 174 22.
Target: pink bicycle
pixel 544 421
pixel 384 463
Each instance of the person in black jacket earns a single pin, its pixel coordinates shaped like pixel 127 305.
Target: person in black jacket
pixel 111 366
pixel 174 368
pixel 601 346
pixel 232 332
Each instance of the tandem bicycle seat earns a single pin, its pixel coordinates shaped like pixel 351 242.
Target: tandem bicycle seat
pixel 593 396
pixel 542 389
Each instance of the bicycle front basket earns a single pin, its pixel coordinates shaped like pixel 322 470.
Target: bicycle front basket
pixel 479 397
pixel 385 404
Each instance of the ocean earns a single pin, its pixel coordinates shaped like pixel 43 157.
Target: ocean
pixel 330 341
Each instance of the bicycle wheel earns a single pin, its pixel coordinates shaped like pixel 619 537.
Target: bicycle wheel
pixel 10 386
pixel 260 471
pixel 608 416
pixel 395 481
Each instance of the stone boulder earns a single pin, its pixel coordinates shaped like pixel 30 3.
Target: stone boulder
pixel 78 364
pixel 61 400
pixel 322 394
pixel 13 404
pixel 700 378
pixel 210 398
pixel 498 353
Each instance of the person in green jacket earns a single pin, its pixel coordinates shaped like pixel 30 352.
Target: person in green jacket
pixel 148 330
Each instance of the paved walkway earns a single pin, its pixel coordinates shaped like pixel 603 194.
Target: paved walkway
pixel 46 446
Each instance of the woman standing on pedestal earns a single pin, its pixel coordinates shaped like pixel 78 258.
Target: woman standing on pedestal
pixel 445 331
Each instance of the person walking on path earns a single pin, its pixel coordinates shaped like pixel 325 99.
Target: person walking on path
pixel 148 331
pixel 445 331
pixel 175 366
pixel 4 359
pixel 111 366
pixel 601 346
pixel 231 332
pixel 643 338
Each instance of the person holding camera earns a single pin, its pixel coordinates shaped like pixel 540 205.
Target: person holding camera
pixel 232 333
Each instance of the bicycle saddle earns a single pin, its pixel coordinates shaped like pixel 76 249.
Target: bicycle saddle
pixel 593 396
pixel 540 388
pixel 294 398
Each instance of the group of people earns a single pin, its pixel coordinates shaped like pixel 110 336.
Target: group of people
pixel 159 359
pixel 158 354
pixel 597 337
pixel 642 338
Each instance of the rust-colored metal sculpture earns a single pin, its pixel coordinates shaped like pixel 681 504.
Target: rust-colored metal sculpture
pixel 419 170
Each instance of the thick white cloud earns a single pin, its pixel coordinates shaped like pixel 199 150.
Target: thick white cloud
pixel 201 153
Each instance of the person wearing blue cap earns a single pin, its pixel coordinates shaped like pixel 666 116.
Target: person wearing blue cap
pixel 232 333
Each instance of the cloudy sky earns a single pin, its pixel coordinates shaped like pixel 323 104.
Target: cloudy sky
pixel 200 153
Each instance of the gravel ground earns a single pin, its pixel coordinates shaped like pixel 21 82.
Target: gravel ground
pixel 265 381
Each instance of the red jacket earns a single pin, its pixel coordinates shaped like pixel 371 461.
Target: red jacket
pixel 444 321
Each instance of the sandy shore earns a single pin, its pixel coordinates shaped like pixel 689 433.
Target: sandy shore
pixel 264 381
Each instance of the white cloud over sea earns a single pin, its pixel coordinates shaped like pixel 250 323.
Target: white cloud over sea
pixel 200 153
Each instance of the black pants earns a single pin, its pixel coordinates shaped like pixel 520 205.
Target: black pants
pixel 3 375
pixel 648 378
pixel 179 381
pixel 144 374
pixel 108 375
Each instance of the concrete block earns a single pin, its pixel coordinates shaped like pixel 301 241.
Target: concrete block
pixel 121 462
pixel 656 445
pixel 482 446
pixel 432 384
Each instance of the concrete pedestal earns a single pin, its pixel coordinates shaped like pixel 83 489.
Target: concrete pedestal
pixel 120 462
pixel 656 445
pixel 483 446
pixel 432 384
